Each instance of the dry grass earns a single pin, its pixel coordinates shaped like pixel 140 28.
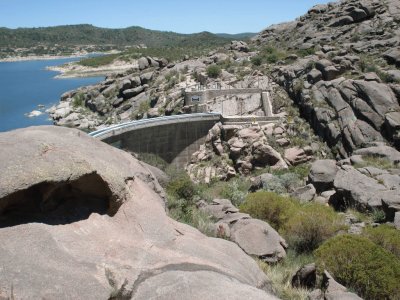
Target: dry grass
pixel 281 275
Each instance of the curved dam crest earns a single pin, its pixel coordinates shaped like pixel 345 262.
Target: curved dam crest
pixel 173 138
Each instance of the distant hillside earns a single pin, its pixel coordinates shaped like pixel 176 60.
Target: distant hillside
pixel 87 34
pixel 238 36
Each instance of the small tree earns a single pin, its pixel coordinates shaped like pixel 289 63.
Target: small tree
pixel 213 71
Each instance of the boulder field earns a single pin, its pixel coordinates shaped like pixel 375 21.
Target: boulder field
pixel 82 220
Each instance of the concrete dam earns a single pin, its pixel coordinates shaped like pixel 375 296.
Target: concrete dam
pixel 173 138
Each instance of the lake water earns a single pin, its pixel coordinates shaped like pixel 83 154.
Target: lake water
pixel 24 85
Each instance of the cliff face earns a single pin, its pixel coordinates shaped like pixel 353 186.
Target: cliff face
pixel 348 86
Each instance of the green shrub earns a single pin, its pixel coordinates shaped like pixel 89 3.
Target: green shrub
pixel 385 236
pixel 270 207
pixel 78 100
pixel 236 190
pixel 378 216
pixel 362 266
pixel 256 60
pixel 304 226
pixel 311 225
pixel 305 52
pixel 298 86
pixel 181 186
pixel 213 71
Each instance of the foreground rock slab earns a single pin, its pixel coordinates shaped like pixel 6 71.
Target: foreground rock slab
pixel 82 220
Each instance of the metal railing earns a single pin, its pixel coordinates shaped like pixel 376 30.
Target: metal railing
pixel 119 128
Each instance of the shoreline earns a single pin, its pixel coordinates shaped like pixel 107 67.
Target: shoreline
pixel 53 57
pixel 42 57
pixel 72 70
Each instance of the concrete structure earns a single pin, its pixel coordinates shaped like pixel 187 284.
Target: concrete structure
pixel 173 138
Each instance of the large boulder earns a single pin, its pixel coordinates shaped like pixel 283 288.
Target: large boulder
pixel 356 189
pixel 259 239
pixel 295 156
pixel 322 174
pixel 143 63
pixel 82 220
pixel 239 46
pixel 393 56
pixel 255 237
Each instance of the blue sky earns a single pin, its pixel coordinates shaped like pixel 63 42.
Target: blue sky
pixel 184 16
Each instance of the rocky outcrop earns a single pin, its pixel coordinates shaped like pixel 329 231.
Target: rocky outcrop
pixel 242 147
pixel 255 237
pixel 90 223
pixel 114 100
pixel 344 88
pixel 356 183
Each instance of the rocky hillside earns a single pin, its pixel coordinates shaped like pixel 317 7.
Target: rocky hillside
pixel 348 88
pixel 154 86
pixel 312 194
pixel 89 34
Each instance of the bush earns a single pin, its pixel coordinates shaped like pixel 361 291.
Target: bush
pixel 362 266
pixel 256 60
pixel 270 207
pixel 78 100
pixel 236 190
pixel 385 236
pixel 284 183
pixel 181 186
pixel 378 216
pixel 311 225
pixel 305 52
pixel 304 226
pixel 213 71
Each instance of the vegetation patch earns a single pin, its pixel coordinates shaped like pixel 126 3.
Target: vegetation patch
pixel 98 61
pixel 304 226
pixel 385 236
pixel 362 266
pixel 281 275
pixel 270 207
pixel 375 161
pixel 78 100
pixel 214 71
pixel 311 225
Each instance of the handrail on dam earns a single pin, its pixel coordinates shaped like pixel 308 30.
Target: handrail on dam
pixel 119 128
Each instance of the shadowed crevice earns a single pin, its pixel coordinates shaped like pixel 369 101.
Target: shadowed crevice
pixel 56 203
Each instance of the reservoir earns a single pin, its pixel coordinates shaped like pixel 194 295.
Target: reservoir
pixel 26 84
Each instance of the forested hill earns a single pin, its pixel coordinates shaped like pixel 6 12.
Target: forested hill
pixel 87 34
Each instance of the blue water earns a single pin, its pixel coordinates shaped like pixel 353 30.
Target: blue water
pixel 24 85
